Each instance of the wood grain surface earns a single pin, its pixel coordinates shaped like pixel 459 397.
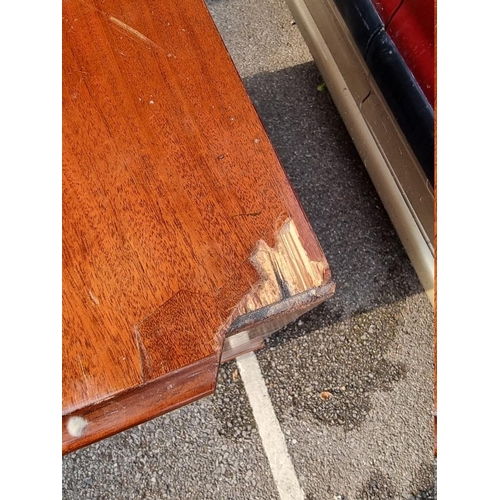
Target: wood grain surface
pixel 171 191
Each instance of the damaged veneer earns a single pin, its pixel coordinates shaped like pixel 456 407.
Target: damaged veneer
pixel 290 284
pixel 285 270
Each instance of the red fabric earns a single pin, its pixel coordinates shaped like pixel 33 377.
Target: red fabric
pixel 412 31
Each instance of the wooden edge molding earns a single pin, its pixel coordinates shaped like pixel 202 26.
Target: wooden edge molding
pixel 138 405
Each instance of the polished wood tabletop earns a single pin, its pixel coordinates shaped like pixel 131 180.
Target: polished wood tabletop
pixel 180 228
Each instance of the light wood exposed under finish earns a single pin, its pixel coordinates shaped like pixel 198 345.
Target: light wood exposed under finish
pixel 179 224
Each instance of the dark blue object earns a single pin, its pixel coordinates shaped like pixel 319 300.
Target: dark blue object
pixel 362 19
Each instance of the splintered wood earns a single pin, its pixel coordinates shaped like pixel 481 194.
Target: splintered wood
pixel 285 270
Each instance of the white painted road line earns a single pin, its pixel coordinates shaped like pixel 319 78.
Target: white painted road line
pixel 269 428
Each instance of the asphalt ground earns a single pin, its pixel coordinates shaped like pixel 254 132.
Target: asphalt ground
pixel 351 382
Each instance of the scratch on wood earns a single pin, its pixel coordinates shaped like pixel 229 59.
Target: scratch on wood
pixel 191 375
pixel 250 214
pixel 144 358
pixel 83 371
pixel 132 31
pixel 94 299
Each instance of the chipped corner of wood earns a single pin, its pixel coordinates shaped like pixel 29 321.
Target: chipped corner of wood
pixel 286 270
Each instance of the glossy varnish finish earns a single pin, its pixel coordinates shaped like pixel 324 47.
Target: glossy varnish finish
pixel 170 188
